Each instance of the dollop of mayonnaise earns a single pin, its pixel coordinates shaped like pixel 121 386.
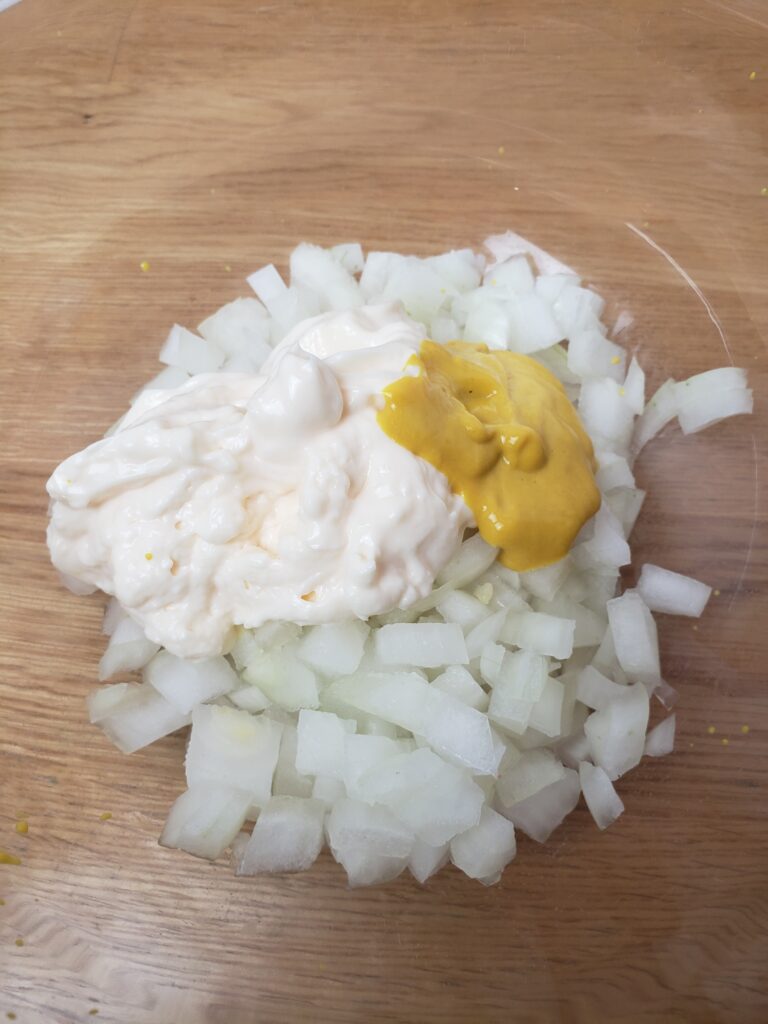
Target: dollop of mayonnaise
pixel 237 498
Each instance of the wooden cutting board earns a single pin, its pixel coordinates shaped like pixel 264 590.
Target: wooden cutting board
pixel 209 138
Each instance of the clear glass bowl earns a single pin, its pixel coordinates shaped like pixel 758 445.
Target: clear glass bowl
pixel 629 140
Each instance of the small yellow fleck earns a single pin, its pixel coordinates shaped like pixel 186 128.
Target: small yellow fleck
pixel 22 827
pixel 616 360
pixel 148 556
pixel 227 267
pixel 18 942
pixel 309 597
pixel 764 191
pixel 622 392
pixel 717 593
pixel 105 816
pixel 725 741
pixel 246 584
pixel 9 858
pixel 711 730
pixel 501 151
pixel 745 729
pixel 144 266
pixel 93 1012
pixel 752 76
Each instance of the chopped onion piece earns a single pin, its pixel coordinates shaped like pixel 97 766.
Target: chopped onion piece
pixel 661 739
pixel 426 860
pixel 188 683
pixel 591 354
pixel 318 270
pixel 540 633
pixel 231 747
pixel 529 774
pixel 428 645
pixel 457 682
pixel 335 649
pixel 205 819
pixel 127 651
pixel 268 285
pixel 702 411
pixel 635 637
pixel 603 801
pixel 484 850
pixel 520 685
pixel 354 825
pixel 670 592
pixel 540 814
pixel 287 836
pixel 616 732
pixel 140 717
pixel 594 690
pixel 186 351
pixel 321 744
pixel 660 411
pixel 634 387
pixel 350 255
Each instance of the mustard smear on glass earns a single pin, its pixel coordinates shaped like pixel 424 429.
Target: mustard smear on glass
pixel 500 427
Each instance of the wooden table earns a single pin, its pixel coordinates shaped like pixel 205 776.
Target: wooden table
pixel 207 139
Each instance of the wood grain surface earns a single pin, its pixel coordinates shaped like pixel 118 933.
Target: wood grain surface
pixel 207 139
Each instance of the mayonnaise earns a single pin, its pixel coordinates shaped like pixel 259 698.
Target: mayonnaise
pixel 238 499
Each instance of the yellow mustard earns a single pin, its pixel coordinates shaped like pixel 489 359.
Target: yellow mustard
pixel 501 429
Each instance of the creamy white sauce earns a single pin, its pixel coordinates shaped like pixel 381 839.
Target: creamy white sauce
pixel 238 499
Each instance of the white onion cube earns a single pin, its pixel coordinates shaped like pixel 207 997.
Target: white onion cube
pixel 616 732
pixel 321 738
pixel 185 350
pixel 427 645
pixel 459 683
pixel 529 774
pixel 334 649
pixel 231 747
pixel 205 819
pixel 188 683
pixel 287 836
pixel 141 717
pixel 354 825
pixel 541 813
pixel 520 684
pixel 661 739
pixel 127 651
pixel 603 801
pixel 540 633
pixel 424 860
pixel 484 850
pixel 635 637
pixel 671 592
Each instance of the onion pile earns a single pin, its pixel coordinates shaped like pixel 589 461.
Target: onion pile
pixel 429 734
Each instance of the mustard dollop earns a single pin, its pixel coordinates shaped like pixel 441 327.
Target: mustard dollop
pixel 502 430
